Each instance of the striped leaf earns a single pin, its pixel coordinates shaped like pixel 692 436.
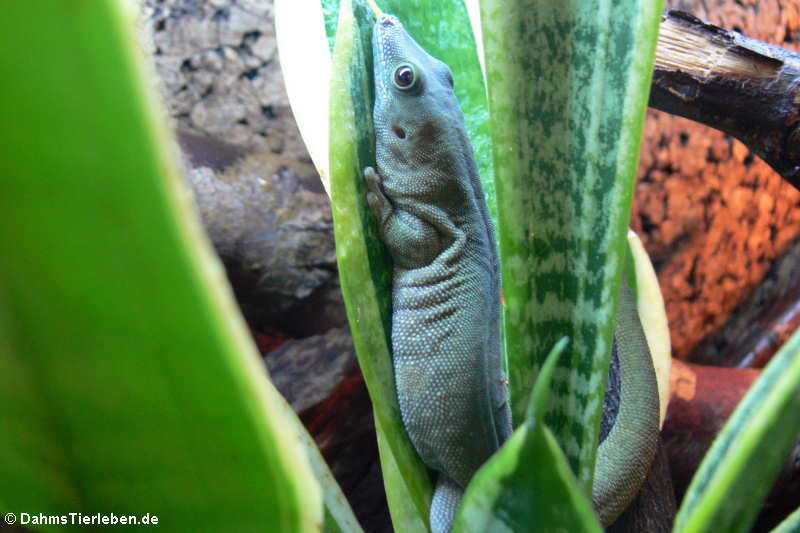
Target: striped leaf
pixel 528 485
pixel 742 464
pixel 568 85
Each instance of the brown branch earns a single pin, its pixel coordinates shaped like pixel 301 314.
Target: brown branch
pixel 741 86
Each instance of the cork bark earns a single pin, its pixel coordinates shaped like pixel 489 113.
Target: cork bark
pixel 712 215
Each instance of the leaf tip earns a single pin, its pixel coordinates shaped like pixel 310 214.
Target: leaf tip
pixel 538 401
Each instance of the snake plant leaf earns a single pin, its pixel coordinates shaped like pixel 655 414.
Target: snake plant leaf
pixel 339 516
pixel 791 524
pixel 364 267
pixel 306 66
pixel 742 464
pixel 653 315
pixel 128 380
pixel 568 86
pixel 528 484
pixel 405 516
pixel 443 28
pixel 537 406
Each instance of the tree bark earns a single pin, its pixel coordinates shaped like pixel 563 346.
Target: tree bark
pixel 741 86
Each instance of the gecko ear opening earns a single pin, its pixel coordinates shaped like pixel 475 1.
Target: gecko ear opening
pixel 399 132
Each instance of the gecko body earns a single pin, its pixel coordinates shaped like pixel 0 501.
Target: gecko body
pixel 446 346
pixel 432 214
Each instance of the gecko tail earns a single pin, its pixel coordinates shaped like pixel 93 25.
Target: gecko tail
pixel 446 499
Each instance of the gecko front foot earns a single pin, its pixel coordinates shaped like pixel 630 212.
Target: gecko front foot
pixel 377 201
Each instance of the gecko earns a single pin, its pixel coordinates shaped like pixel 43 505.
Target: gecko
pixel 427 197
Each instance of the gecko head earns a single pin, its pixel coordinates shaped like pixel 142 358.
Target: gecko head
pixel 414 98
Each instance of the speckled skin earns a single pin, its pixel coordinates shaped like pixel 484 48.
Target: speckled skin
pixel 625 455
pixel 433 217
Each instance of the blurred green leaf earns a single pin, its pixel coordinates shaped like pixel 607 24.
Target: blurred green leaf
pixel 568 85
pixel 406 516
pixel 537 407
pixel 742 464
pixel 339 517
pixel 128 380
pixel 300 33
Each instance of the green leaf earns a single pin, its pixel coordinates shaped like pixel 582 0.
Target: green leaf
pixel 364 265
pixel 443 28
pixel 405 516
pixel 528 485
pixel 339 517
pixel 128 380
pixel 364 268
pixel 300 32
pixel 742 464
pixel 541 390
pixel 650 306
pixel 791 524
pixel 568 84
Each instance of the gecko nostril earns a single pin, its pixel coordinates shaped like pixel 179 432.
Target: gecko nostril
pixel 400 132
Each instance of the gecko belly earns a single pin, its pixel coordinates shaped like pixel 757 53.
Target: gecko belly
pixel 439 342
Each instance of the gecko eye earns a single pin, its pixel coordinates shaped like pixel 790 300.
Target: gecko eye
pixel 405 77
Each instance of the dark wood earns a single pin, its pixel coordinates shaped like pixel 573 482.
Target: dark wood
pixel 344 430
pixel 762 339
pixel 741 86
pixel 701 400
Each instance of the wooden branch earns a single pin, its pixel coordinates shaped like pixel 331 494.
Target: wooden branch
pixel 741 86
